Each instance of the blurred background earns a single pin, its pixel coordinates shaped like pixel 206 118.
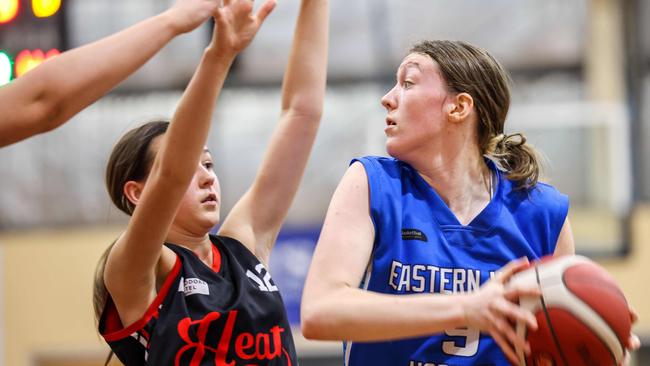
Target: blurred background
pixel 581 93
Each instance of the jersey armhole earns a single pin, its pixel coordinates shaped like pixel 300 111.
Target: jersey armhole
pixel 373 191
pixel 562 215
pixel 110 326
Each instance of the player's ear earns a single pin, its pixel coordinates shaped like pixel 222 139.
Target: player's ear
pixel 460 107
pixel 132 191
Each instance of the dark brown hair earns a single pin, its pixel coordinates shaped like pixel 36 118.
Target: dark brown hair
pixel 130 160
pixel 472 70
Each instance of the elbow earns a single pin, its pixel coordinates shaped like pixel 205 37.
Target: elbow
pixel 47 115
pixel 310 323
pixel 304 116
pixel 313 114
pixel 315 320
pixel 304 110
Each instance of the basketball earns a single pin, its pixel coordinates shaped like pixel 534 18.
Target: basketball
pixel 582 314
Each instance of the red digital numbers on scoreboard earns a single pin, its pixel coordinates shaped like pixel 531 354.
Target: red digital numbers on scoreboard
pixel 27 60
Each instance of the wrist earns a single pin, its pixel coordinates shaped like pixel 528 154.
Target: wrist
pixel 219 56
pixel 463 300
pixel 170 23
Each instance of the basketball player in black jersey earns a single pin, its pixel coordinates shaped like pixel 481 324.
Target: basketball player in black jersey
pixel 168 293
pixel 49 95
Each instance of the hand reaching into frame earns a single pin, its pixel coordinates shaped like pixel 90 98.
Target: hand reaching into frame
pixel 237 25
pixel 187 15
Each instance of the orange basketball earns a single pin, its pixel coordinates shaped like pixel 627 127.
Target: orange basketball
pixel 583 316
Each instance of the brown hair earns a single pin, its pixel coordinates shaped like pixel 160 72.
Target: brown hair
pixel 130 160
pixel 472 70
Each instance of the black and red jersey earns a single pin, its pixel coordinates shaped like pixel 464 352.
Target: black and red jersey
pixel 230 314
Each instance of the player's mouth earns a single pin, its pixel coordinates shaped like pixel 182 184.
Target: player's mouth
pixel 210 199
pixel 390 125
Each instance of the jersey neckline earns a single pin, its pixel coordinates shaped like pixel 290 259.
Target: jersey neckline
pixel 216 254
pixel 445 217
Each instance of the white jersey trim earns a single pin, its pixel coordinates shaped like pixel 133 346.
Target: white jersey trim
pixel 364 286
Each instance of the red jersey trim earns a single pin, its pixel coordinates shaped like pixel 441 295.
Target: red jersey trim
pixel 216 259
pixel 114 330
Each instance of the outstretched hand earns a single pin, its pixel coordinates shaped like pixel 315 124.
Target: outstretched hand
pixel 237 25
pixel 493 309
pixel 186 15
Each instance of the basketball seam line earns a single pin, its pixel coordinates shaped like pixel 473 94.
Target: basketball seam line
pixel 594 332
pixel 548 320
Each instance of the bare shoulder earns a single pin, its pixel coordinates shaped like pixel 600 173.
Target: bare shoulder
pixel 355 176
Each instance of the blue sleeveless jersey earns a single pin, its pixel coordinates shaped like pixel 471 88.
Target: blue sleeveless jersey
pixel 420 247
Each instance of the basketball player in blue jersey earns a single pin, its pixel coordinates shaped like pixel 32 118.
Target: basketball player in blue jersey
pixel 412 264
pixel 167 292
pixel 50 95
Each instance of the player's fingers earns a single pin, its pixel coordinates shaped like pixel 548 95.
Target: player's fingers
pixel 220 19
pixel 511 268
pixel 626 359
pixel 265 10
pixel 508 332
pixel 213 5
pixel 633 315
pixel 505 347
pixel 633 342
pixel 514 313
pixel 515 291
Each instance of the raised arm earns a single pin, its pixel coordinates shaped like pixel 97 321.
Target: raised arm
pixel 130 273
pixel 48 96
pixel 335 308
pixel 256 219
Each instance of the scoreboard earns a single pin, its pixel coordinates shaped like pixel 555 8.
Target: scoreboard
pixel 31 31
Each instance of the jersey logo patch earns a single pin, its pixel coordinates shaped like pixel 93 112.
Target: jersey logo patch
pixel 192 286
pixel 414 234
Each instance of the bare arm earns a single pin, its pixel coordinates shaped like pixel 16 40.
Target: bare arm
pixel 130 273
pixel 334 308
pixel 256 219
pixel 48 96
pixel 565 244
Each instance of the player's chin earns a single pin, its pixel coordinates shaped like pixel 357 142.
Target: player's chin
pixel 394 148
pixel 208 219
pixel 391 147
pixel 213 217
